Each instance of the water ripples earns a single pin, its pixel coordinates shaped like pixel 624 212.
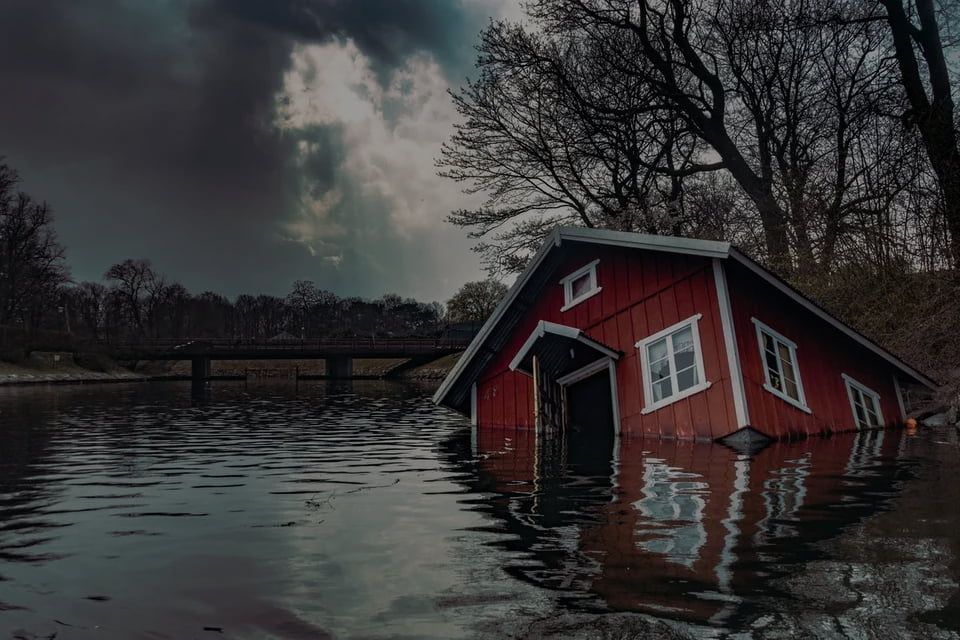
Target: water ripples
pixel 365 511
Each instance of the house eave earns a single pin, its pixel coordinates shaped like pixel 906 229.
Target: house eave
pixel 824 315
pixel 666 244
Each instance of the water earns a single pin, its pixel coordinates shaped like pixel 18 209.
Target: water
pixel 366 512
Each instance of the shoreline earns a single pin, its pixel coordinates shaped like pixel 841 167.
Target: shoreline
pixel 92 377
pixel 30 377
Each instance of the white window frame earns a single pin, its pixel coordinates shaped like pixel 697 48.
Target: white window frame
pixel 649 404
pixel 567 282
pixel 852 384
pixel 800 403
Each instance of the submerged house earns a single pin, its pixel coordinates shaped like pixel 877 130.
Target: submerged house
pixel 631 334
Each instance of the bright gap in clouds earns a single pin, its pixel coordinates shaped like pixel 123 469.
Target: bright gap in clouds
pixel 390 132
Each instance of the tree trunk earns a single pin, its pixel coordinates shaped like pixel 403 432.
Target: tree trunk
pixel 772 217
pixel 933 116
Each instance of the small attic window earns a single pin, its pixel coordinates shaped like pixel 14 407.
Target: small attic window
pixel 580 285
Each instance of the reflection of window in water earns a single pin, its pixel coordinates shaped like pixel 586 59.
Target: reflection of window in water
pixel 783 496
pixel 864 453
pixel 672 509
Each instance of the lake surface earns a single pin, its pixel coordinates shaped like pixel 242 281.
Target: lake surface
pixel 363 511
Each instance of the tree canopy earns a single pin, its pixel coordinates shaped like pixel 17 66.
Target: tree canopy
pixel 779 125
pixel 475 301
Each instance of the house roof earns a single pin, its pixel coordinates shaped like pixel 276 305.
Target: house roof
pixel 454 391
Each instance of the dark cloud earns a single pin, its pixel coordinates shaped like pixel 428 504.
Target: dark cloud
pixel 149 126
pixel 386 30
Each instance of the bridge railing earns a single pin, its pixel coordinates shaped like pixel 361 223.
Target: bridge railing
pixel 346 345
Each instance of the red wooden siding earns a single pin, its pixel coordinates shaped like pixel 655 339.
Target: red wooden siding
pixel 642 293
pixel 823 354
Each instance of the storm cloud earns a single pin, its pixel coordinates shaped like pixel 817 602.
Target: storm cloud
pixel 241 145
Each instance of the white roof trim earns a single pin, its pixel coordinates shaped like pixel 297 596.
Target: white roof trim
pixel 544 327
pixel 553 240
pixel 667 244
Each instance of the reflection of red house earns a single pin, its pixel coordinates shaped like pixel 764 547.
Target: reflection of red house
pixel 669 337
pixel 687 528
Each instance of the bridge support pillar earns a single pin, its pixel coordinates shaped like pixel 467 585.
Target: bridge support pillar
pixel 199 369
pixel 339 367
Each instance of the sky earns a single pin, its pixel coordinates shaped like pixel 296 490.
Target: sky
pixel 241 145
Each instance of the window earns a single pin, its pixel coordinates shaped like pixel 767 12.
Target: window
pixel 779 357
pixel 864 403
pixel 580 285
pixel 672 364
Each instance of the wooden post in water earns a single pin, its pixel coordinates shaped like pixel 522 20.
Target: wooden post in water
pixel 549 401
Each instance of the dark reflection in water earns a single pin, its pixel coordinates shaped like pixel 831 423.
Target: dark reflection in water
pixel 364 511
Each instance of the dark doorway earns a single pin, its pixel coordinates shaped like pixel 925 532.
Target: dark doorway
pixel 590 429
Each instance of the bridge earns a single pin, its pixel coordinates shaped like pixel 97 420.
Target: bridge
pixel 338 353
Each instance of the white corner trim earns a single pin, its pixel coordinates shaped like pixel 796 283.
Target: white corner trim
pixel 900 403
pixel 730 344
pixel 474 420
pixel 473 404
pixel 614 397
pixel 686 393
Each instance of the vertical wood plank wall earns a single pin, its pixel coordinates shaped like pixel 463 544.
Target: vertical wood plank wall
pixel 823 353
pixel 642 293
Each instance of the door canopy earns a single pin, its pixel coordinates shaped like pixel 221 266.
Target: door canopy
pixel 560 350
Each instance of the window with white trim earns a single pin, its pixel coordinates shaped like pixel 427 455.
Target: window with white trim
pixel 779 357
pixel 864 403
pixel 580 285
pixel 672 364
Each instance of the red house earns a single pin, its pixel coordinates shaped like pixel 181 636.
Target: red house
pixel 631 334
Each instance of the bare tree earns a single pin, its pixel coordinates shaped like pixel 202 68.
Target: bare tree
pixel 930 96
pixel 31 260
pixel 302 300
pixel 553 135
pixel 131 280
pixel 615 113
pixel 89 302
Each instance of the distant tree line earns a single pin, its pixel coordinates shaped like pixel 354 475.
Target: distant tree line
pixel 134 301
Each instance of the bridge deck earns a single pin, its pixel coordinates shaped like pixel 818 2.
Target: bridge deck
pixel 305 350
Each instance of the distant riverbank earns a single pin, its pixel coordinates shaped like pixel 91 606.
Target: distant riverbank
pixel 65 368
